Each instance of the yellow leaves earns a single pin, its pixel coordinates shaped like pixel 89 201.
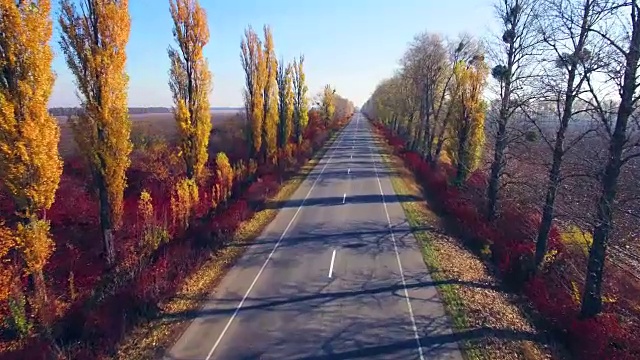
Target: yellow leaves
pixel 34 243
pixel 467 123
pixel 225 175
pixel 152 233
pixel 191 84
pixel 145 207
pixel 577 239
pixel 7 268
pixel 183 199
pixel 301 106
pixel 270 125
pixel 96 56
pixel 253 63
pixel 29 168
pixel 328 103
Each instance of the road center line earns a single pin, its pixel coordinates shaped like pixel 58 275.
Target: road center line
pixel 255 280
pixel 395 247
pixel 333 258
pixel 344 198
pixel 349 171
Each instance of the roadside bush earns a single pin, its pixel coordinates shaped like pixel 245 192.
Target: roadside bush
pixel 152 234
pixel 183 200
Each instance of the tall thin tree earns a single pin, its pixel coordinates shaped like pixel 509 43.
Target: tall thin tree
pixel 285 103
pixel 328 104
pixel 624 142
pixel 301 103
pixel 270 121
pixel 514 74
pixel 94 41
pixel 190 83
pixel 254 66
pixel 30 166
pixel 566 36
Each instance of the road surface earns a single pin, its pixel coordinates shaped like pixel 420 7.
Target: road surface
pixel 336 275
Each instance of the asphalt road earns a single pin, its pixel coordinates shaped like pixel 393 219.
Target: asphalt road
pixel 336 275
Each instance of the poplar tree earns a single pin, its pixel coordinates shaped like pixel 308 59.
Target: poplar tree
pixel 285 103
pixel 254 67
pixel 94 39
pixel 270 121
pixel 30 166
pixel 328 104
pixel 301 105
pixel 190 83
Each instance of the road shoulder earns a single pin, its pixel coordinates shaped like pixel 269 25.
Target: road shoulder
pixel 486 319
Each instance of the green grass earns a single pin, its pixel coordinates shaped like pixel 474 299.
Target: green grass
pixel 418 215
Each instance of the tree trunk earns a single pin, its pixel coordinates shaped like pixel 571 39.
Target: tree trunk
pixel 461 166
pixel 40 297
pixel 554 173
pixel 496 169
pixel 105 223
pixel 592 297
pixel 548 208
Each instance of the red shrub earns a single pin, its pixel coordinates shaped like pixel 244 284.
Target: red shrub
pixel 98 324
pixel 511 239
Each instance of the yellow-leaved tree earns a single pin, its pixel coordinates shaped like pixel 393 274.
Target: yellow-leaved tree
pixel 255 71
pixel 224 173
pixel 94 40
pixel 190 83
pixel 270 123
pixel 300 103
pixel 285 103
pixel 328 104
pixel 30 166
pixel 466 127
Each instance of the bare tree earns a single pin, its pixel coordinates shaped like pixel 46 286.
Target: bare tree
pixel 515 70
pixel 622 36
pixel 565 29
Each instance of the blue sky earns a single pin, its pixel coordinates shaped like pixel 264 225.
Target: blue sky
pixel 350 44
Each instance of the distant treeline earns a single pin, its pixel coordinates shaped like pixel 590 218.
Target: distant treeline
pixel 66 111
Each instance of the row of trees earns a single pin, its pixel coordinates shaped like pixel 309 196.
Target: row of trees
pixel 94 36
pixel 576 57
pixel 436 102
pixel 275 95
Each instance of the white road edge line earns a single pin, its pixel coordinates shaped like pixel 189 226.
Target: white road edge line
pixel 395 247
pixel 244 298
pixel 333 259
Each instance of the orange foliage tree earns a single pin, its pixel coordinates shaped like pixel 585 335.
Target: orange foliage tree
pixel 30 166
pixel 94 39
pixel 270 122
pixel 190 83
pixel 255 71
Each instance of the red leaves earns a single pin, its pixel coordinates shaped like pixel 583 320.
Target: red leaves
pixel 511 239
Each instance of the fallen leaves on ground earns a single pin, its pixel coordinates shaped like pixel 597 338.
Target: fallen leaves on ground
pixel 481 306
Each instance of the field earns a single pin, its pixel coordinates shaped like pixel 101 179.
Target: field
pixel 154 125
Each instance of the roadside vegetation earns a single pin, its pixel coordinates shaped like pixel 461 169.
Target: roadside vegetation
pixel 541 179
pixel 97 245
